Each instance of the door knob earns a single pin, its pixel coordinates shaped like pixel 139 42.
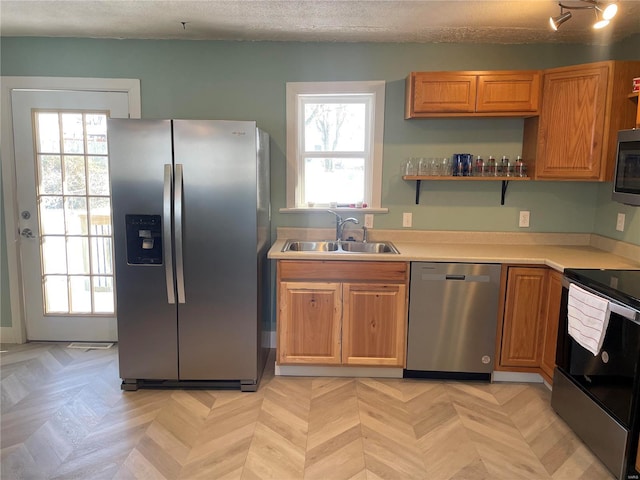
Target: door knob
pixel 27 233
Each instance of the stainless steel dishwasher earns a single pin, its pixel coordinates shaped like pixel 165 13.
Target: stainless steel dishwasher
pixel 453 310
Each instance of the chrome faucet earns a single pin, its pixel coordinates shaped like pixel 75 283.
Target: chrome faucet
pixel 340 224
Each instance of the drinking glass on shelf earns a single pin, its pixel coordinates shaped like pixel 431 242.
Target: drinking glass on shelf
pixel 409 166
pixel 423 166
pixel 479 168
pixel 434 167
pixel 445 166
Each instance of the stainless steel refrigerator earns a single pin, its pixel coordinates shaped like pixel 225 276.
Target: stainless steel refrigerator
pixel 191 219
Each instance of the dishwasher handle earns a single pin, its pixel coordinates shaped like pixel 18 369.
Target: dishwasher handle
pixel 455 277
pixel 443 277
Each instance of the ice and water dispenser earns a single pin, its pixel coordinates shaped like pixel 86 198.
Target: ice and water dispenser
pixel 144 239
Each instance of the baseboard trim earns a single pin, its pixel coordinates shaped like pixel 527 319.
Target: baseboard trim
pixel 338 371
pixel 520 377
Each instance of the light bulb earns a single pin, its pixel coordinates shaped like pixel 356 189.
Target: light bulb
pixel 610 11
pixel 600 24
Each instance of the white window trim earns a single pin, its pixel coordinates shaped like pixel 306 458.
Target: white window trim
pixel 293 89
pixel 17 333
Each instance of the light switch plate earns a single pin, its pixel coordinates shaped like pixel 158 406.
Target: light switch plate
pixel 524 219
pixel 620 222
pixel 368 220
pixel 407 219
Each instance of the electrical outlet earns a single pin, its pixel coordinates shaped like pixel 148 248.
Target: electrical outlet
pixel 524 219
pixel 407 218
pixel 368 220
pixel 620 222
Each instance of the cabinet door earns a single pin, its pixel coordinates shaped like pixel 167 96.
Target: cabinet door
pixel 572 123
pixel 444 92
pixel 374 324
pixel 309 323
pixel 554 296
pixel 522 329
pixel 508 92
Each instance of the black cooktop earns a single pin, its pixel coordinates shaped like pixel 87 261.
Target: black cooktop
pixel 620 285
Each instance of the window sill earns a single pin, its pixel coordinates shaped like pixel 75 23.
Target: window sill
pixel 338 209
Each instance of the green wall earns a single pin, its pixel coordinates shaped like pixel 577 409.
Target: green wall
pixel 246 80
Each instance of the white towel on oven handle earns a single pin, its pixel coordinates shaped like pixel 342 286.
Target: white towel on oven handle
pixel 588 318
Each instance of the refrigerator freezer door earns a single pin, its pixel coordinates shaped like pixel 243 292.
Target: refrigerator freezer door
pixel 218 323
pixel 147 335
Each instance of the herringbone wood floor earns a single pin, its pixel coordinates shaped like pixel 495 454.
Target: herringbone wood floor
pixel 65 417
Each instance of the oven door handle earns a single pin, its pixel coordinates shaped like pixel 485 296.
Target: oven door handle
pixel 614 307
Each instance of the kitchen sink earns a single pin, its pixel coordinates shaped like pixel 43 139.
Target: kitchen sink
pixel 338 247
pixel 368 247
pixel 308 246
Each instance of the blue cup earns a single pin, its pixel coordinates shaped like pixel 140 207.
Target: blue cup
pixel 462 164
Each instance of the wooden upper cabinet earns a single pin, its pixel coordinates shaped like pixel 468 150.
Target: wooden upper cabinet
pixel 514 92
pixel 583 108
pixel 471 94
pixel 443 93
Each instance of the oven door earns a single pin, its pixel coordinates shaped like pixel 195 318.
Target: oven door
pixel 597 395
pixel 610 377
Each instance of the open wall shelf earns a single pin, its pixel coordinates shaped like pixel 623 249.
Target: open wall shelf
pixel 505 182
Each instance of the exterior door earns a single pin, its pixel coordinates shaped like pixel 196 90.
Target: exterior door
pixel 64 206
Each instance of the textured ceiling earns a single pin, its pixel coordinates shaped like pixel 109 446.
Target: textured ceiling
pixel 460 21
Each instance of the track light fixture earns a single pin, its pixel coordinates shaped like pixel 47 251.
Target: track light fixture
pixel 603 13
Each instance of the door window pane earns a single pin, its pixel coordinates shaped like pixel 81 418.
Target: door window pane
pixel 103 295
pixel 100 209
pixel 98 170
pixel 51 215
pixel 73 133
pixel 54 255
pixel 101 255
pixel 96 134
pixel 48 133
pixel 75 214
pixel 80 294
pixel 56 297
pixel 49 174
pixel 78 255
pixel 74 175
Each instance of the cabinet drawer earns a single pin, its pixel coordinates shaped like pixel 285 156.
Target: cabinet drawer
pixel 343 271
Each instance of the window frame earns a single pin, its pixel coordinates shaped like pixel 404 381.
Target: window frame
pixel 295 150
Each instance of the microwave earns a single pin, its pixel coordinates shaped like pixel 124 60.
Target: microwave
pixel 626 181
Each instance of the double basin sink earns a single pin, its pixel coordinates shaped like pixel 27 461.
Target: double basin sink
pixel 339 247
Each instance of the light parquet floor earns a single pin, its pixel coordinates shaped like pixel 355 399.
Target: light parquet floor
pixel 65 417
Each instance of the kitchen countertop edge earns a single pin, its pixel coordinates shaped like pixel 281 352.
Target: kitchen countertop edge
pixel 557 257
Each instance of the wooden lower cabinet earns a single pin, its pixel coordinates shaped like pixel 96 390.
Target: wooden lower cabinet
pixel 360 320
pixel 524 310
pixel 373 325
pixel 310 314
pixel 554 297
pixel 528 328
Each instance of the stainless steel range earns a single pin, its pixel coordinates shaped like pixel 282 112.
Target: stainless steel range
pixel 598 395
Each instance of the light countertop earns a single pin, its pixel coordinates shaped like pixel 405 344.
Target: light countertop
pixel 444 247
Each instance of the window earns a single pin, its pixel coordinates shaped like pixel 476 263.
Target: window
pixel 74 209
pixel 334 144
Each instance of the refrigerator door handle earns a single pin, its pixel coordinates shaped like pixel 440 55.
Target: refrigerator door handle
pixel 178 230
pixel 166 234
